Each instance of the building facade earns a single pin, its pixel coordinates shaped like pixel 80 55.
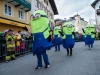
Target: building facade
pixel 78 22
pixel 96 6
pixel 14 14
pixel 48 6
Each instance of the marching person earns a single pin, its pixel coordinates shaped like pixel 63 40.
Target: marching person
pixel 68 37
pixel 57 35
pixel 41 37
pixel 90 35
pixel 84 36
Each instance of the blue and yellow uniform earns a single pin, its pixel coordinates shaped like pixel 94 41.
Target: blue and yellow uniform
pixel 41 37
pixel 57 37
pixel 68 38
pixel 84 36
pixel 90 35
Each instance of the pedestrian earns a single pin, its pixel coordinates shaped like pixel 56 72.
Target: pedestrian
pixel 41 37
pixel 90 35
pixel 10 43
pixel 68 38
pixel 57 35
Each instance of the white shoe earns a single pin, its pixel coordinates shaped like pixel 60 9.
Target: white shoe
pixel 37 68
pixel 47 66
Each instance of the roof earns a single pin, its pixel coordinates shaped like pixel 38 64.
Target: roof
pixel 94 3
pixel 53 5
pixel 73 18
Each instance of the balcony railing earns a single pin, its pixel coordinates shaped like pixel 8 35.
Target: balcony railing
pixel 23 4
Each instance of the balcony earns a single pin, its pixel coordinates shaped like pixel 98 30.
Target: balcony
pixel 23 4
pixel 98 11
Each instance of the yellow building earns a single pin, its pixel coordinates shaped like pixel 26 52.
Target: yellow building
pixel 14 14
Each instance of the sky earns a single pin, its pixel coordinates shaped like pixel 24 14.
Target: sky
pixel 69 8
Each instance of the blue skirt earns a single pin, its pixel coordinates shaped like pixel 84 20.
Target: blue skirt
pixel 68 42
pixel 57 40
pixel 40 43
pixel 89 40
pixel 83 38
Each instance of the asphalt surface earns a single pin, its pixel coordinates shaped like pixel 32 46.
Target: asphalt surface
pixel 82 62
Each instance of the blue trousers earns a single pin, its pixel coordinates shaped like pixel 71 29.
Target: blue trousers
pixel 90 45
pixel 45 57
pixel 57 47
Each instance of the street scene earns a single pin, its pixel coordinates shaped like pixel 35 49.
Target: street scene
pixel 49 37
pixel 83 62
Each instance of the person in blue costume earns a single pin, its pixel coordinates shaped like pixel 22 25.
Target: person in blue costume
pixel 90 35
pixel 57 35
pixel 84 36
pixel 68 37
pixel 41 37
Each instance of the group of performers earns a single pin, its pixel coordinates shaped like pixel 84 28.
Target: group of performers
pixel 63 33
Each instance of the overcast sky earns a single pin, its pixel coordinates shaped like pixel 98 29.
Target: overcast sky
pixel 69 8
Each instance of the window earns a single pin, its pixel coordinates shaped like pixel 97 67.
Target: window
pixel 36 2
pixel 8 9
pixel 20 14
pixel 38 5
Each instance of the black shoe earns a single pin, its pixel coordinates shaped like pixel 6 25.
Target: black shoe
pixel 67 54
pixel 47 66
pixel 7 61
pixel 13 58
pixel 70 54
pixel 55 50
pixel 37 68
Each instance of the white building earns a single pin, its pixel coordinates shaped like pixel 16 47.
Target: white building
pixel 78 22
pixel 96 6
pixel 48 6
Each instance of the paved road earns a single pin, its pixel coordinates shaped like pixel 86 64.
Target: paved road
pixel 83 62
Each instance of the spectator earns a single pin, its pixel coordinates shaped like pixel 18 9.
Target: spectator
pixel 19 34
pixel 23 43
pixel 2 45
pixel 18 43
pixel 10 43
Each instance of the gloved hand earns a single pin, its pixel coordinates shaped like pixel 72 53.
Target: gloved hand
pixel 83 30
pixel 73 33
pixel 49 38
pixel 9 39
pixel 93 32
pixel 25 28
pixel 61 33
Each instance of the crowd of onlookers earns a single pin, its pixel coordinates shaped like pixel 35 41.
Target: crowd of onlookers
pixel 18 42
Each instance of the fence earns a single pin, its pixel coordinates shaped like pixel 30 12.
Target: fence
pixel 21 49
